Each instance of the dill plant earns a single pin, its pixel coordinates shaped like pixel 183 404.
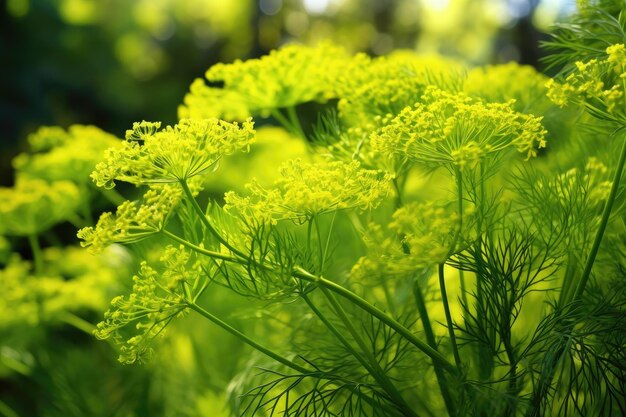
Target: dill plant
pixel 451 242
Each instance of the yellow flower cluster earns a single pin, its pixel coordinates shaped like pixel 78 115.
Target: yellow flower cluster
pixel 70 155
pixel 156 298
pixel 591 184
pixel 382 87
pixel 134 220
pixel 428 230
pixel 428 233
pixel 204 102
pixel 597 84
pixel 33 205
pixel 457 131
pixel 286 77
pixel 73 280
pixel 502 83
pixel 305 190
pixel 190 148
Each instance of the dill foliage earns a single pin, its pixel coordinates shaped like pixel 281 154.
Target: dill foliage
pixel 443 241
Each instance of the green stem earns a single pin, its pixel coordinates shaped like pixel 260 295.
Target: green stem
pixel 247 340
pixel 198 249
pixel 398 188
pixel 380 315
pixel 295 121
pixel 77 322
pixel 430 338
pixel 300 273
pixel 375 368
pixel 35 247
pixel 112 195
pixel 606 214
pixel 286 122
pixel 446 309
pixel 205 221
pixel 7 411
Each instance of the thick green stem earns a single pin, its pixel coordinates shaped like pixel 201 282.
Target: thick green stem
pixel 198 249
pixel 606 214
pixel 338 289
pixel 374 367
pixel 380 315
pixel 446 308
pixel 112 195
pixel 249 341
pixel 33 240
pixel 430 338
pixel 295 121
pixel 300 273
pixel 77 322
pixel 205 221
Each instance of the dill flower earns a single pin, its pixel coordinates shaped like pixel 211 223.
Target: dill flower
pixel 173 154
pixel 501 83
pixel 383 86
pixel 428 233
pixel 286 77
pixel 204 102
pixel 133 220
pixel 56 154
pixel 86 279
pixel 457 131
pixel 18 304
pixel 597 84
pixel 73 281
pixel 33 205
pixel 305 190
pixel 134 321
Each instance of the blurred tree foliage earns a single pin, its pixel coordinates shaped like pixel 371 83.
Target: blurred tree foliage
pixel 112 62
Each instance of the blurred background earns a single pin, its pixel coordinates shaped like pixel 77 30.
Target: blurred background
pixel 112 62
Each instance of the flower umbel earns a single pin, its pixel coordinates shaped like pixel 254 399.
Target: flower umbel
pixel 458 131
pixel 598 84
pixel 34 205
pixel 305 190
pixel 69 155
pixel 178 153
pixel 286 77
pixel 134 220
pixel 156 299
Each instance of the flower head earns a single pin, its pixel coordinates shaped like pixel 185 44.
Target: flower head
pixel 134 220
pixel 501 83
pixel 428 234
pixel 384 86
pixel 203 102
pixel 157 297
pixel 286 77
pixel 305 190
pixel 33 205
pixel 455 130
pixel 190 148
pixel 70 155
pixel 597 84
